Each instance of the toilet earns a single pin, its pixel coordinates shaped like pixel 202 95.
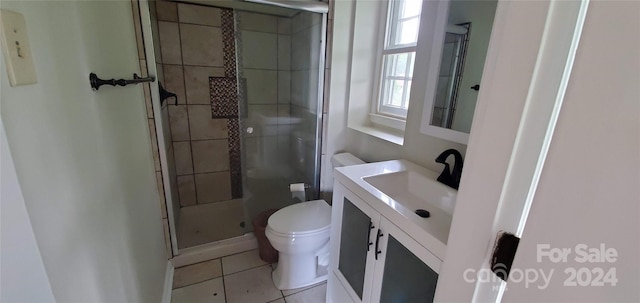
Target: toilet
pixel 300 234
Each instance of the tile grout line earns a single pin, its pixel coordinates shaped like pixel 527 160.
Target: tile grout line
pixel 187 285
pixel 224 285
pixel 221 273
pixel 305 288
pixel 223 276
pixel 220 258
pixel 218 139
pixel 184 84
pixel 247 269
pixel 203 173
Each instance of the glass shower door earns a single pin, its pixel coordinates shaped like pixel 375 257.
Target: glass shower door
pixel 243 124
pixel 279 62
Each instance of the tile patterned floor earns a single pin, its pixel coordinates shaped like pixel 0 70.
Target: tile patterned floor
pixel 239 278
pixel 206 223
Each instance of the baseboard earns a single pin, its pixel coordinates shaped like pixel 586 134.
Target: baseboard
pixel 168 283
pixel 215 250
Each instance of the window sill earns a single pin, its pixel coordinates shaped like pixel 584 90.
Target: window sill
pixel 387 134
pixel 388 122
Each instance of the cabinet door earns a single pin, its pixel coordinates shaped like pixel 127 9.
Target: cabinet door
pixel 405 271
pixel 352 262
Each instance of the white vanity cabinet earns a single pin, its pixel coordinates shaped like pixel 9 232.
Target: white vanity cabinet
pixel 372 259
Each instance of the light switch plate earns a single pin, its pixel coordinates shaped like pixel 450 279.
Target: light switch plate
pixel 16 49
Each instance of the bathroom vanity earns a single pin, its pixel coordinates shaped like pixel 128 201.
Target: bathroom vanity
pixel 381 250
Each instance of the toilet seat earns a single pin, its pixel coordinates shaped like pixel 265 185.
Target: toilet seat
pixel 302 219
pixel 298 234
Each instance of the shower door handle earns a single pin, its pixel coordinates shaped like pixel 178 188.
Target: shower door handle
pixel 249 130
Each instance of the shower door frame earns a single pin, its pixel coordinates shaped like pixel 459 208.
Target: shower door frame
pixel 319 130
pixel 149 49
pixel 320 106
pixel 194 254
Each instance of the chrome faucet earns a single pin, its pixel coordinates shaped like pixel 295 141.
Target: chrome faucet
pixel 449 177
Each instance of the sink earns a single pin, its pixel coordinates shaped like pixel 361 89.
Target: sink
pixel 396 189
pixel 414 190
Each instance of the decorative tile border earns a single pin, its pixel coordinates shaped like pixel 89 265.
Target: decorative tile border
pixel 235 158
pixel 229 42
pixel 226 98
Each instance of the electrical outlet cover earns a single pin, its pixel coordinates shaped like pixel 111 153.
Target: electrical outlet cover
pixel 16 49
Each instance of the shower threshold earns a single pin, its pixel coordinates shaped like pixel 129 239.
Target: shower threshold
pixel 214 250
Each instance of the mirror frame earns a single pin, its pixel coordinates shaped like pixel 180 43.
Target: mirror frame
pixel 434 55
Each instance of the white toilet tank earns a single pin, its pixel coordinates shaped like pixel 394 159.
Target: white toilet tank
pixel 345 159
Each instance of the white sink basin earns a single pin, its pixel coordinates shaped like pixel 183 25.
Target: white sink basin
pixel 396 189
pixel 414 190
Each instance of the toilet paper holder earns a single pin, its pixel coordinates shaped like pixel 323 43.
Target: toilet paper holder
pixel 298 186
pixel 298 191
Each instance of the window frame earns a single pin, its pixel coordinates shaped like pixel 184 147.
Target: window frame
pixel 381 114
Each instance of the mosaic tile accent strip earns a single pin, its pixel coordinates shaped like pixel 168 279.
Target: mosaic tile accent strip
pixel 224 97
pixel 235 158
pixel 229 41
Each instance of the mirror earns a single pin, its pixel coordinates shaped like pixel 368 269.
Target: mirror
pixel 457 60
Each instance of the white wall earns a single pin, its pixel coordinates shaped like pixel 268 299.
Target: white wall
pixel 83 158
pixel 22 274
pixel 419 148
pixel 588 191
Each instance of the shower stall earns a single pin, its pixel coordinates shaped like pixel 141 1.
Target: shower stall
pixel 246 115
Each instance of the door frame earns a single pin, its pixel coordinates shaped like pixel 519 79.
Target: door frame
pixel 528 67
pixel 147 35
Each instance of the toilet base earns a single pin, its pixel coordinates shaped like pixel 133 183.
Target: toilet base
pixel 283 286
pixel 312 282
pixel 307 272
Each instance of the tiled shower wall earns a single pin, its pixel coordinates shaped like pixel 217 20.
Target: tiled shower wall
pixel 268 89
pixel 192 47
pixel 192 51
pixel 266 66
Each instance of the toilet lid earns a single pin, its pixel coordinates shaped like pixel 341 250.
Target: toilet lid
pixel 304 217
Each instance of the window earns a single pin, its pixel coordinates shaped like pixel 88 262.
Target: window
pixel 398 57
